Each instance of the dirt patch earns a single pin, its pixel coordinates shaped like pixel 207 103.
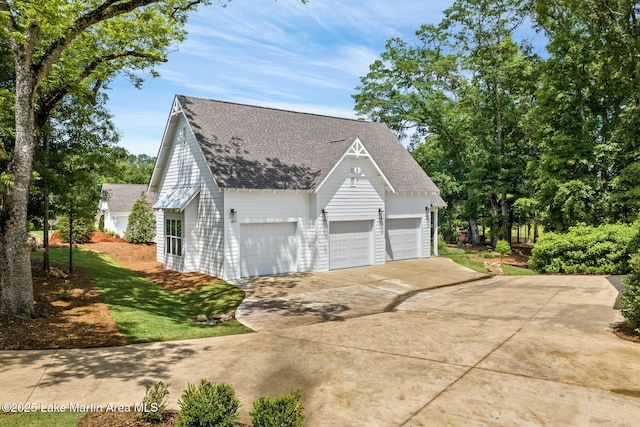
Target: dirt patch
pixel 142 260
pixel 78 319
pixel 98 236
pixel 626 333
pixel 120 419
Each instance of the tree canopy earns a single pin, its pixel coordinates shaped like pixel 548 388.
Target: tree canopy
pixel 511 136
pixel 57 48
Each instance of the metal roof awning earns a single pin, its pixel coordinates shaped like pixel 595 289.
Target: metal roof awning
pixel 177 198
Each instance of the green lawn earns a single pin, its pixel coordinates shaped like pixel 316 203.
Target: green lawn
pixel 464 260
pixel 40 419
pixel 146 312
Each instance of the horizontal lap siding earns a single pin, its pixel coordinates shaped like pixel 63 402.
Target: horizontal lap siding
pixel 412 206
pixel 343 202
pixel 266 206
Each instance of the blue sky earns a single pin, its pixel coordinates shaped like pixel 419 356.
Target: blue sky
pixel 280 54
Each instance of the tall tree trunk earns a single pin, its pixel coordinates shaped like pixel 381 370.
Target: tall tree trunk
pixel 16 284
pixel 475 234
pixel 71 238
pixel 46 267
pixel 506 223
pixel 495 222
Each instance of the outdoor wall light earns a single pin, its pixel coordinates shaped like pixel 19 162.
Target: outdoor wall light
pixel 324 215
pixel 380 212
pixel 233 215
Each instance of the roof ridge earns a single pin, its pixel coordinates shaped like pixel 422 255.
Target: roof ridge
pixel 277 109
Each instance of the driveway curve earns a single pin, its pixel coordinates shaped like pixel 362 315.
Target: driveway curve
pixel 506 351
pixel 275 302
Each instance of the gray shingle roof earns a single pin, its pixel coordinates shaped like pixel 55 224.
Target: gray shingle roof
pixel 264 148
pixel 123 196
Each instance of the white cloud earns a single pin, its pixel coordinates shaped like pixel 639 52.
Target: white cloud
pixel 281 54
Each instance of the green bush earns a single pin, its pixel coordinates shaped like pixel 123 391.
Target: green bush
pixel 442 244
pixel 504 248
pixel 83 229
pixel 208 404
pixel 586 250
pixel 630 298
pixel 154 402
pixel 141 227
pixel 284 411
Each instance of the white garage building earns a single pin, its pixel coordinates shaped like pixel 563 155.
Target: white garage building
pixel 246 191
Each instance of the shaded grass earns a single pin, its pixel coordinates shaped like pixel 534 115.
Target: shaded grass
pixel 40 419
pixel 146 312
pixel 478 266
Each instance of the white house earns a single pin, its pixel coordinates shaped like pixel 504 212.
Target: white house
pixel 117 204
pixel 245 191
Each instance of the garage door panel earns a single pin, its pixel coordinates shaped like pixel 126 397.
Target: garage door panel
pixel 269 248
pixel 350 244
pixel 402 238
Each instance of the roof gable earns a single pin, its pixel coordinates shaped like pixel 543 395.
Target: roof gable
pixel 123 196
pixel 357 149
pixel 263 148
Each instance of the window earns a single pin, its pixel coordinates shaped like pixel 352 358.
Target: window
pixel 173 233
pixel 355 172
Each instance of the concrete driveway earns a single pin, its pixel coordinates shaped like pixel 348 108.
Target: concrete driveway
pixel 288 300
pixel 503 351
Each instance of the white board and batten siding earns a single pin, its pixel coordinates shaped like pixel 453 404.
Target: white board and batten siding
pixel 202 220
pixel 352 229
pixel 271 233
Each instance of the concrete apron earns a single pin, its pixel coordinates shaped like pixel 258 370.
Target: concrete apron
pixel 508 351
pixel 289 300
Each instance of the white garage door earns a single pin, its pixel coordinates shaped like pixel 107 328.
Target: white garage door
pixel 402 238
pixel 268 248
pixel 350 244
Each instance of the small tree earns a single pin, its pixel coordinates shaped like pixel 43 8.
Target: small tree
pixel 504 248
pixel 141 227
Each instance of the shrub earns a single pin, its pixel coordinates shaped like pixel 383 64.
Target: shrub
pixel 141 227
pixel 442 245
pixel 504 248
pixel 82 229
pixel 154 403
pixel 208 404
pixel 284 411
pixel 585 250
pixel 630 298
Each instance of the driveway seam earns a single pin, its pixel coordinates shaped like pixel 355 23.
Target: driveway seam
pixel 482 359
pixel 44 372
pixel 387 353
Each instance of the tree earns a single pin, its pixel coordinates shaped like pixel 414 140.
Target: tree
pixel 503 248
pixel 589 105
pixel 461 93
pixel 76 150
pixel 59 48
pixel 141 227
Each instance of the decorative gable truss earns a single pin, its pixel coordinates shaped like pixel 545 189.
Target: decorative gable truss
pixel 357 149
pixel 177 107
